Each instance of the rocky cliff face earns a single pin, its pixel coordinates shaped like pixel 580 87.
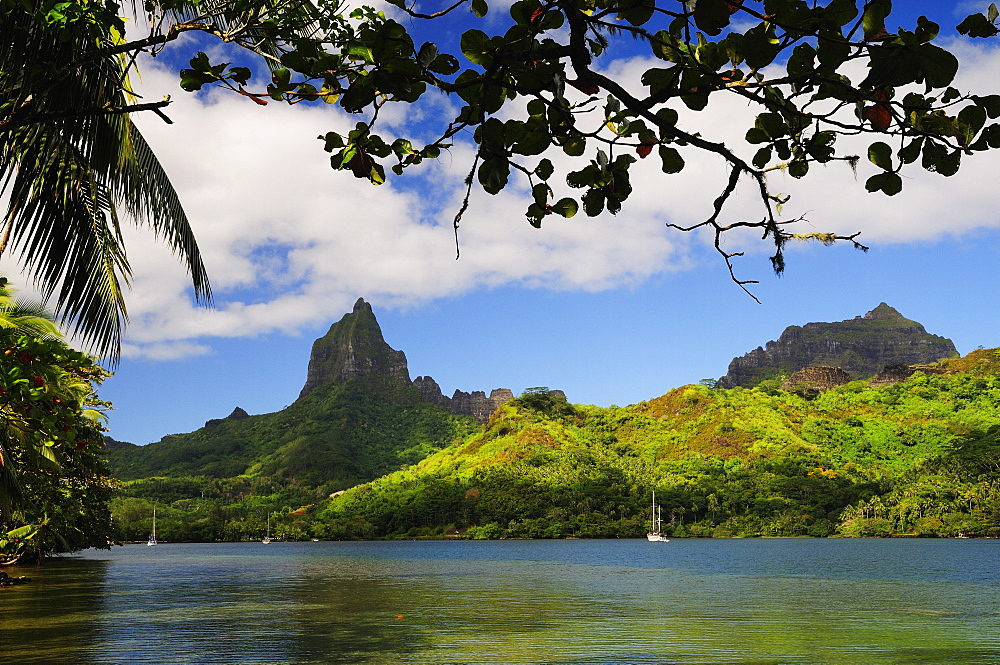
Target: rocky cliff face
pixel 355 349
pixel 475 404
pixel 861 346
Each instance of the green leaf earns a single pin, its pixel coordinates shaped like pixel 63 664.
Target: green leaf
pixel 477 47
pixel 428 52
pixel 493 174
pixel 911 151
pixel 990 103
pixel 880 154
pixel 938 159
pixel 977 25
pixel 839 13
pixel 535 213
pixel 671 160
pixel 926 29
pixel 360 52
pixel 566 207
pixel 711 16
pixel 762 157
pixel 637 12
pixel 593 202
pixel 873 20
pixel 760 46
pixel 802 60
pixel 772 124
pixel 540 193
pixel 756 135
pixel 798 168
pixel 574 145
pixel 480 8
pixel 889 183
pixel 972 118
pixel 544 169
pixel 444 64
pixel 939 66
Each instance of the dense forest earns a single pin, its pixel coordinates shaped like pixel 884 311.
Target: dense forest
pixel 920 458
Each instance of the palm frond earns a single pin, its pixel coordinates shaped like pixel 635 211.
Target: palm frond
pixel 68 180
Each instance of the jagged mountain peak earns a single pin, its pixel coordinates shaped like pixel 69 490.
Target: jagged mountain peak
pixel 861 346
pixel 353 348
pixel 884 311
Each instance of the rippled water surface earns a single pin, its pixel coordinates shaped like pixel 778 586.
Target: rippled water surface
pixel 573 601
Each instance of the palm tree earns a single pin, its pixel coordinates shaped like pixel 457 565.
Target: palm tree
pixel 71 166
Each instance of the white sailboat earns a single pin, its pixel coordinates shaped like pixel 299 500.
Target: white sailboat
pixel 654 536
pixel 152 536
pixel 267 536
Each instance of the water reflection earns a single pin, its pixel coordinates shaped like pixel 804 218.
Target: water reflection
pixel 572 602
pixel 57 616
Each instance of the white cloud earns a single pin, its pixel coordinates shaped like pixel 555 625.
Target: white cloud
pixel 289 243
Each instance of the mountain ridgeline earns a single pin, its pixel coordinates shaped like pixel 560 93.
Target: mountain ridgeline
pixel 810 449
pixel 358 416
pixel 861 347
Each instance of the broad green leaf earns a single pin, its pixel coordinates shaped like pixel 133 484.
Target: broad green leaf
pixel 973 118
pixel 360 52
pixel 593 202
pixel 990 103
pixel 977 25
pixel 444 64
pixel 671 160
pixel 566 207
pixel 880 154
pixel 574 145
pixel 911 151
pixel 938 159
pixel 762 157
pixel 798 168
pixel 711 16
pixel 873 20
pixel 428 52
pixel 544 169
pixel 540 193
pixel 493 174
pixel 637 12
pixel 839 12
pixel 889 183
pixel 477 47
pixel 480 8
pixel 926 30
pixel 760 46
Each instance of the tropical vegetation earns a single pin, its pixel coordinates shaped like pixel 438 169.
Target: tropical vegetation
pixel 918 458
pixel 54 479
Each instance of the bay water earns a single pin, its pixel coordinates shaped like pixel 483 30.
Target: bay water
pixel 573 602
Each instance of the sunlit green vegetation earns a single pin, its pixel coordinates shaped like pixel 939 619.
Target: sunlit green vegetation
pixel 917 458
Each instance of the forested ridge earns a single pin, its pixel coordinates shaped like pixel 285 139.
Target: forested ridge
pixel 920 457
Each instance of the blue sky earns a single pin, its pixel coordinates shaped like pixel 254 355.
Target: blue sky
pixel 610 310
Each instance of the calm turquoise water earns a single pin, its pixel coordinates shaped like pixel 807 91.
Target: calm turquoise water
pixel 573 601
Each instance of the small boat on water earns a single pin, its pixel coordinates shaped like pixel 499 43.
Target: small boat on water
pixel 267 536
pixel 152 535
pixel 654 536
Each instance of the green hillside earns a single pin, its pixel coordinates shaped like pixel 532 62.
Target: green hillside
pixel 334 438
pixel 918 458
